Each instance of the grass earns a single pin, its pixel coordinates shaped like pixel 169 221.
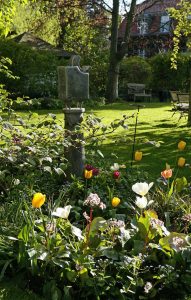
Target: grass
pixel 155 123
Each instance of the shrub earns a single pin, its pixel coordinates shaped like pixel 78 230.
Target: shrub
pixel 36 70
pixel 166 78
pixel 134 69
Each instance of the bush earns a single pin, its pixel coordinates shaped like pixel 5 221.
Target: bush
pixel 134 69
pixel 36 70
pixel 166 78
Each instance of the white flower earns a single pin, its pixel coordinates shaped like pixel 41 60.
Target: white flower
pixel 62 212
pixel 16 181
pixel 148 286
pixel 141 202
pixel 115 167
pixel 141 188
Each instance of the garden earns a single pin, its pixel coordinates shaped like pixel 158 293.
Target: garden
pixel 121 230
pixel 121 227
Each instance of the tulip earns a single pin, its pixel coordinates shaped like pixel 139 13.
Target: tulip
pixel 166 173
pixel 141 188
pixel 181 161
pixel 62 212
pixel 89 167
pixel 116 174
pixel 115 202
pixel 95 171
pixel 115 167
pixel 38 200
pixel 88 174
pixel 138 155
pixel 141 202
pixel 181 145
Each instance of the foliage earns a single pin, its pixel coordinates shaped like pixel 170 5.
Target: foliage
pixel 31 18
pixel 36 70
pixel 134 69
pixel 166 78
pixel 124 257
pixel 124 251
pixel 183 27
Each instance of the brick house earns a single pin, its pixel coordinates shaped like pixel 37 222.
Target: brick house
pixel 152 29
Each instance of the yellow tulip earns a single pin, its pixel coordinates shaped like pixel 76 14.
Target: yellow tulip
pixel 38 200
pixel 181 161
pixel 181 145
pixel 115 202
pixel 88 174
pixel 138 155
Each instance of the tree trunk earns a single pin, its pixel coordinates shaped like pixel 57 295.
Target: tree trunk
pixel 113 73
pixel 116 55
pixel 189 109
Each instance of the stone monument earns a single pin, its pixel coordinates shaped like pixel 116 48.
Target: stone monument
pixel 73 88
pixel 73 82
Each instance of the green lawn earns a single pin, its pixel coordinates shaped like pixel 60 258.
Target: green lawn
pixel 155 123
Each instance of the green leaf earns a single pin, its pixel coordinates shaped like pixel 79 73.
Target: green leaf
pixel 24 234
pixel 71 275
pixel 171 189
pixel 98 223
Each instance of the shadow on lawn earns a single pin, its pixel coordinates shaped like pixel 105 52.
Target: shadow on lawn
pixel 131 106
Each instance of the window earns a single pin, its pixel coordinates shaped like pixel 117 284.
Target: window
pixel 165 24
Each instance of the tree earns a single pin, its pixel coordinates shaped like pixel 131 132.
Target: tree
pixel 7 12
pixel 183 27
pixel 118 53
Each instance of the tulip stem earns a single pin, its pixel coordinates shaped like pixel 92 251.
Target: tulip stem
pixel 134 136
pixel 89 223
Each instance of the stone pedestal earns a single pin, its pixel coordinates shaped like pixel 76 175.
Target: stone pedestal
pixel 75 154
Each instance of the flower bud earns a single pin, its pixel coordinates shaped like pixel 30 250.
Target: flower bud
pixel 95 171
pixel 38 200
pixel 166 173
pixel 181 161
pixel 138 155
pixel 89 167
pixel 181 145
pixel 88 174
pixel 115 202
pixel 116 174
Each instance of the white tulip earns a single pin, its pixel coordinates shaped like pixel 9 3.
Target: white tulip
pixel 115 167
pixel 141 202
pixel 62 212
pixel 142 188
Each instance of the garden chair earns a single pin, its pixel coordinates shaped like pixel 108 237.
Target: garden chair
pixel 174 101
pixel 183 104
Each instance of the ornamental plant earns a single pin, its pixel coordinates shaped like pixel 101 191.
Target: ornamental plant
pixel 102 253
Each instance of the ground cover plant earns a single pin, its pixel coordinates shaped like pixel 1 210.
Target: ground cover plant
pixel 111 231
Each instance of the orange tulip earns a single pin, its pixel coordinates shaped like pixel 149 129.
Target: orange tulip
pixel 138 155
pixel 88 174
pixel 181 145
pixel 166 173
pixel 181 161
pixel 115 202
pixel 38 200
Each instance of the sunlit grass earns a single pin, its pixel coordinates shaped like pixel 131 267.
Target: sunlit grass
pixel 155 123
